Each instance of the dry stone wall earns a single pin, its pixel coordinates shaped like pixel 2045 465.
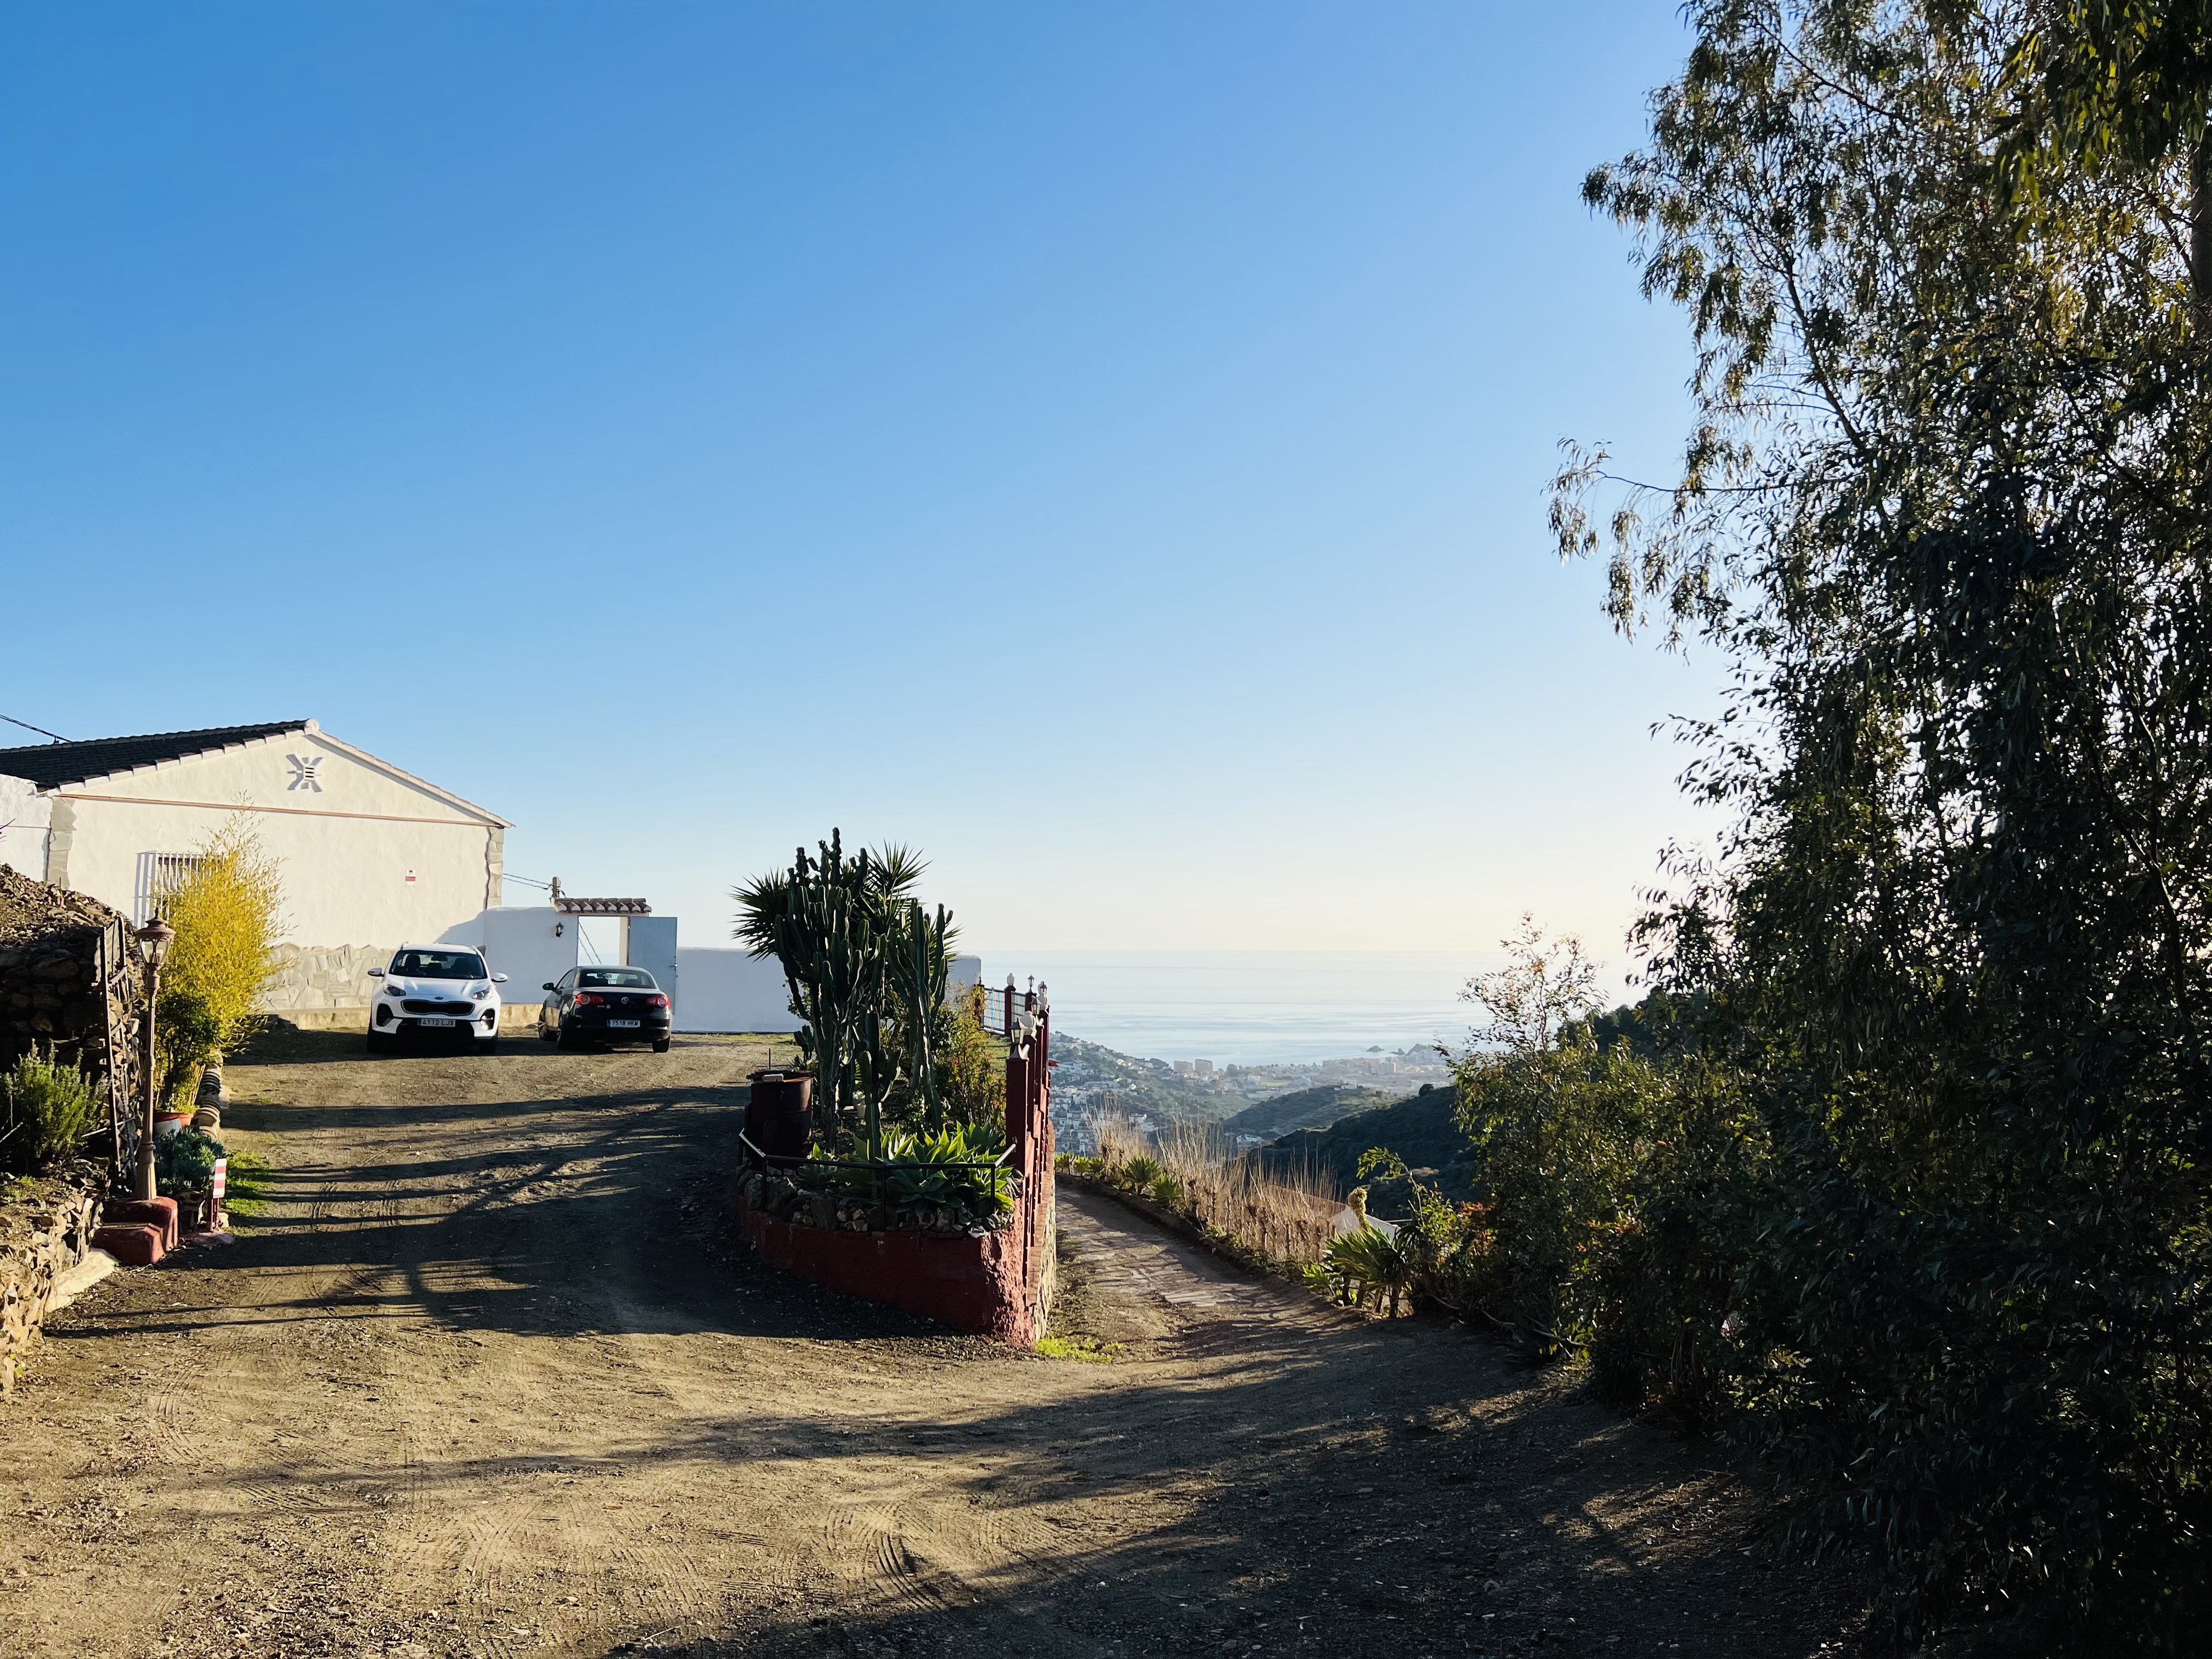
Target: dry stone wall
pixel 46 1226
pixel 69 983
pixel 69 979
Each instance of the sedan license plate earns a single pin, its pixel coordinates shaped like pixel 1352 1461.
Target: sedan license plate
pixel 433 1022
pixel 625 1025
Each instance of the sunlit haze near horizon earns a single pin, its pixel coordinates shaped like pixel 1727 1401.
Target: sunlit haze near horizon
pixel 1102 447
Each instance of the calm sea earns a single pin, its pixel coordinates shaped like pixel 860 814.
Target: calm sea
pixel 1252 1007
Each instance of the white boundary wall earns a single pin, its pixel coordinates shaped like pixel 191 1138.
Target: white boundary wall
pixel 724 990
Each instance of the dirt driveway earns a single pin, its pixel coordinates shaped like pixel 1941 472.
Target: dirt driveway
pixel 486 1379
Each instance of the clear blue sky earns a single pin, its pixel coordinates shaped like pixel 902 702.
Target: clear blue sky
pixel 1103 445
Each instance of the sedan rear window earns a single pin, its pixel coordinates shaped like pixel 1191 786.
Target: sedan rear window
pixel 438 964
pixel 628 979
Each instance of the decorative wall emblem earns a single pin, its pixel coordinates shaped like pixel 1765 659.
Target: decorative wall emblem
pixel 303 772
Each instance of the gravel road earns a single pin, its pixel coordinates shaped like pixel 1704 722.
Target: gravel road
pixel 489 1377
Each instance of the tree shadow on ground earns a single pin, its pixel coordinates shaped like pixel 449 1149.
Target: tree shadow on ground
pixel 616 1220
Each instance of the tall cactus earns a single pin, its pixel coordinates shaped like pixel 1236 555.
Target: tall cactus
pixel 920 963
pixel 828 939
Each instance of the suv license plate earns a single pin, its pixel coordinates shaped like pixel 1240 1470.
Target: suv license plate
pixel 433 1022
pixel 625 1025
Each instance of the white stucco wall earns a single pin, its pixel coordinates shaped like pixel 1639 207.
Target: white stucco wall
pixel 370 857
pixel 722 989
pixel 24 813
pixel 531 944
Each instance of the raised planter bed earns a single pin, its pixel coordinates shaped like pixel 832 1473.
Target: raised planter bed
pixel 974 1279
pixel 994 1280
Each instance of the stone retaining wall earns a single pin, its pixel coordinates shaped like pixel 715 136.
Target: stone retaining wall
pixel 45 1229
pixel 304 979
pixel 70 983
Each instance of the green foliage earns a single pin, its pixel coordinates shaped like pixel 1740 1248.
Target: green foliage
pixel 1166 1191
pixel 1140 1172
pixel 187 1035
pixel 953 1168
pixel 1088 1349
pixel 2114 83
pixel 249 1185
pixel 185 1162
pixel 46 1110
pixel 1442 1254
pixel 1369 1260
pixel 971 1066
pixel 1423 1129
pixel 918 968
pixel 1939 1151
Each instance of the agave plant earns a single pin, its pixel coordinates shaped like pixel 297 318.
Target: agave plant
pixel 953 1167
pixel 1371 1258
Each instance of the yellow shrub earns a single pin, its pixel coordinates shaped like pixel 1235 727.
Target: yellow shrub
pixel 227 913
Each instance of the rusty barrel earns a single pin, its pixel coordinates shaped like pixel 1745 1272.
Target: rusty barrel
pixel 780 1115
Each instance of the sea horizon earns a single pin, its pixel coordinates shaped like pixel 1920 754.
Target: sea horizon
pixel 1254 1007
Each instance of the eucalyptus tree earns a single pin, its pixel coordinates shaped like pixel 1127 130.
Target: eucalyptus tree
pixel 1944 506
pixel 2119 86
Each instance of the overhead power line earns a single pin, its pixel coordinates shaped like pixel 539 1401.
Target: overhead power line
pixel 27 726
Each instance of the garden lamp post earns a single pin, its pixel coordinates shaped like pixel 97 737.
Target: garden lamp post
pixel 154 939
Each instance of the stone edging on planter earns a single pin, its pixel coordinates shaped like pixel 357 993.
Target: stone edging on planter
pixel 43 1234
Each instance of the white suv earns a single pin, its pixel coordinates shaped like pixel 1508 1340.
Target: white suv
pixel 435 988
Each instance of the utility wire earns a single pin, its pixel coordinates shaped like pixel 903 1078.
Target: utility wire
pixel 27 726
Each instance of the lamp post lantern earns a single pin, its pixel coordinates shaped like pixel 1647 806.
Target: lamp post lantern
pixel 154 940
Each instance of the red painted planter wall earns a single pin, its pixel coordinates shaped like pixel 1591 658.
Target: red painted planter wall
pixel 978 1285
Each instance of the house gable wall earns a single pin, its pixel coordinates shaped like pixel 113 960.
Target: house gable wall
pixel 348 833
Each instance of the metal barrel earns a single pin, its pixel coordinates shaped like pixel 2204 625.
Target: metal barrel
pixel 780 1115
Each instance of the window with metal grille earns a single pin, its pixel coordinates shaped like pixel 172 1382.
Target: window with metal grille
pixel 161 874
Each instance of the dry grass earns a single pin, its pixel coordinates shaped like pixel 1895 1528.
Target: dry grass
pixel 1285 1218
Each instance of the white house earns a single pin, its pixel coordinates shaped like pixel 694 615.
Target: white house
pixel 370 856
